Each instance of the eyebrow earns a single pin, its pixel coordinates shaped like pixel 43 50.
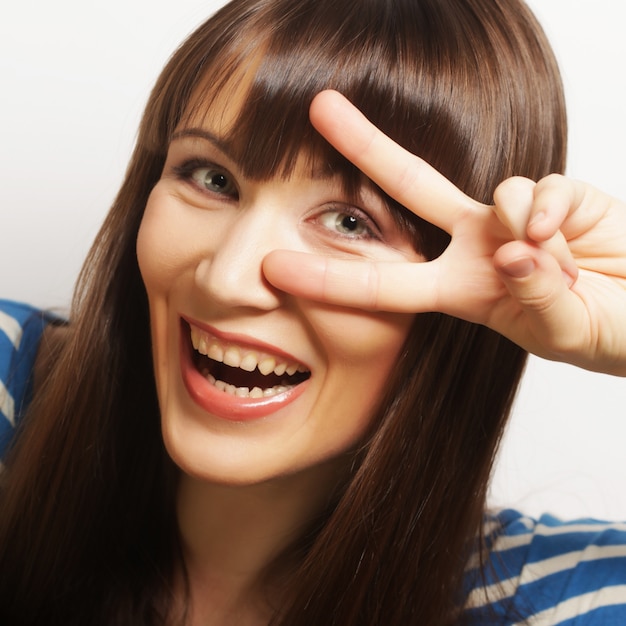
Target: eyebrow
pixel 225 146
pixel 207 135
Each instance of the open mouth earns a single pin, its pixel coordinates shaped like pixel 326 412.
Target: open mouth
pixel 241 371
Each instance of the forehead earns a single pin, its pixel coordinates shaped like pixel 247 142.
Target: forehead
pixel 217 103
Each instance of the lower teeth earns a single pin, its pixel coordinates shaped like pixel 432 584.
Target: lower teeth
pixel 245 392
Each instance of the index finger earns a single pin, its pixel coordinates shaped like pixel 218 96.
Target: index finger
pixel 402 175
pixel 395 287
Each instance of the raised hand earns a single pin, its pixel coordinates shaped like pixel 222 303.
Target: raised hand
pixel 545 266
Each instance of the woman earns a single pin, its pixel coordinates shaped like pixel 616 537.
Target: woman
pixel 343 479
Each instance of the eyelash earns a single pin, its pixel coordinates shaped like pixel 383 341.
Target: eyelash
pixel 371 230
pixel 186 171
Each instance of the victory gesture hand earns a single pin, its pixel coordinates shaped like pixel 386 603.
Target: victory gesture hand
pixel 545 266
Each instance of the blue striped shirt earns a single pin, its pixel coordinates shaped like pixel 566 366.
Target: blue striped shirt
pixel 548 572
pixel 20 332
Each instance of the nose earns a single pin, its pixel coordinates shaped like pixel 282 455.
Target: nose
pixel 230 274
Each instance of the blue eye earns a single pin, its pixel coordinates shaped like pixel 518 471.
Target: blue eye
pixel 214 180
pixel 345 223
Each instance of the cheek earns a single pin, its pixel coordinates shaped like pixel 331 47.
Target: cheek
pixel 350 336
pixel 160 262
pixel 158 243
pixel 361 350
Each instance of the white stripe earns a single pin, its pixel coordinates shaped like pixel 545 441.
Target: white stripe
pixel 11 328
pixel 484 596
pixel 533 572
pixel 493 533
pixel 578 606
pixel 491 525
pixel 7 405
pixel 507 542
pixel 489 528
pixel 564 529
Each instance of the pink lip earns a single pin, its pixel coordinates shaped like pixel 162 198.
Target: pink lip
pixel 241 340
pixel 222 404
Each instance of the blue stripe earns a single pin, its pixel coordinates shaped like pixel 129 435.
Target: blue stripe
pixel 604 616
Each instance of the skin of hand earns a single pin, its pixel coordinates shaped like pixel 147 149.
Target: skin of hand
pixel 544 266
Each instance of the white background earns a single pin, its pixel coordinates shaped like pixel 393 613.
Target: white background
pixel 74 78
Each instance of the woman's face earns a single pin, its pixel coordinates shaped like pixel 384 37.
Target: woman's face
pixel 253 383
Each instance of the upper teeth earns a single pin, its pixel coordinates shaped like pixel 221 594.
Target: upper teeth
pixel 244 358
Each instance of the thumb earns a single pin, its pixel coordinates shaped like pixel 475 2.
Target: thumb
pixel 541 288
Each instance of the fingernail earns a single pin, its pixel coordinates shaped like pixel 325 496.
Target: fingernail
pixel 538 218
pixel 519 268
pixel 569 279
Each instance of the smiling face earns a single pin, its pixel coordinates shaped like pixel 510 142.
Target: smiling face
pixel 254 383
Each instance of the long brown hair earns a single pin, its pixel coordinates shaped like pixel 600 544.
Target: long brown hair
pixel 87 529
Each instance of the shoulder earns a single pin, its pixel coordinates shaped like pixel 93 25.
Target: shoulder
pixel 547 571
pixel 21 329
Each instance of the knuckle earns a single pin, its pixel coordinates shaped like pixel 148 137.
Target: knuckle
pixel 408 177
pixel 551 180
pixel 538 300
pixel 512 187
pixel 372 287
